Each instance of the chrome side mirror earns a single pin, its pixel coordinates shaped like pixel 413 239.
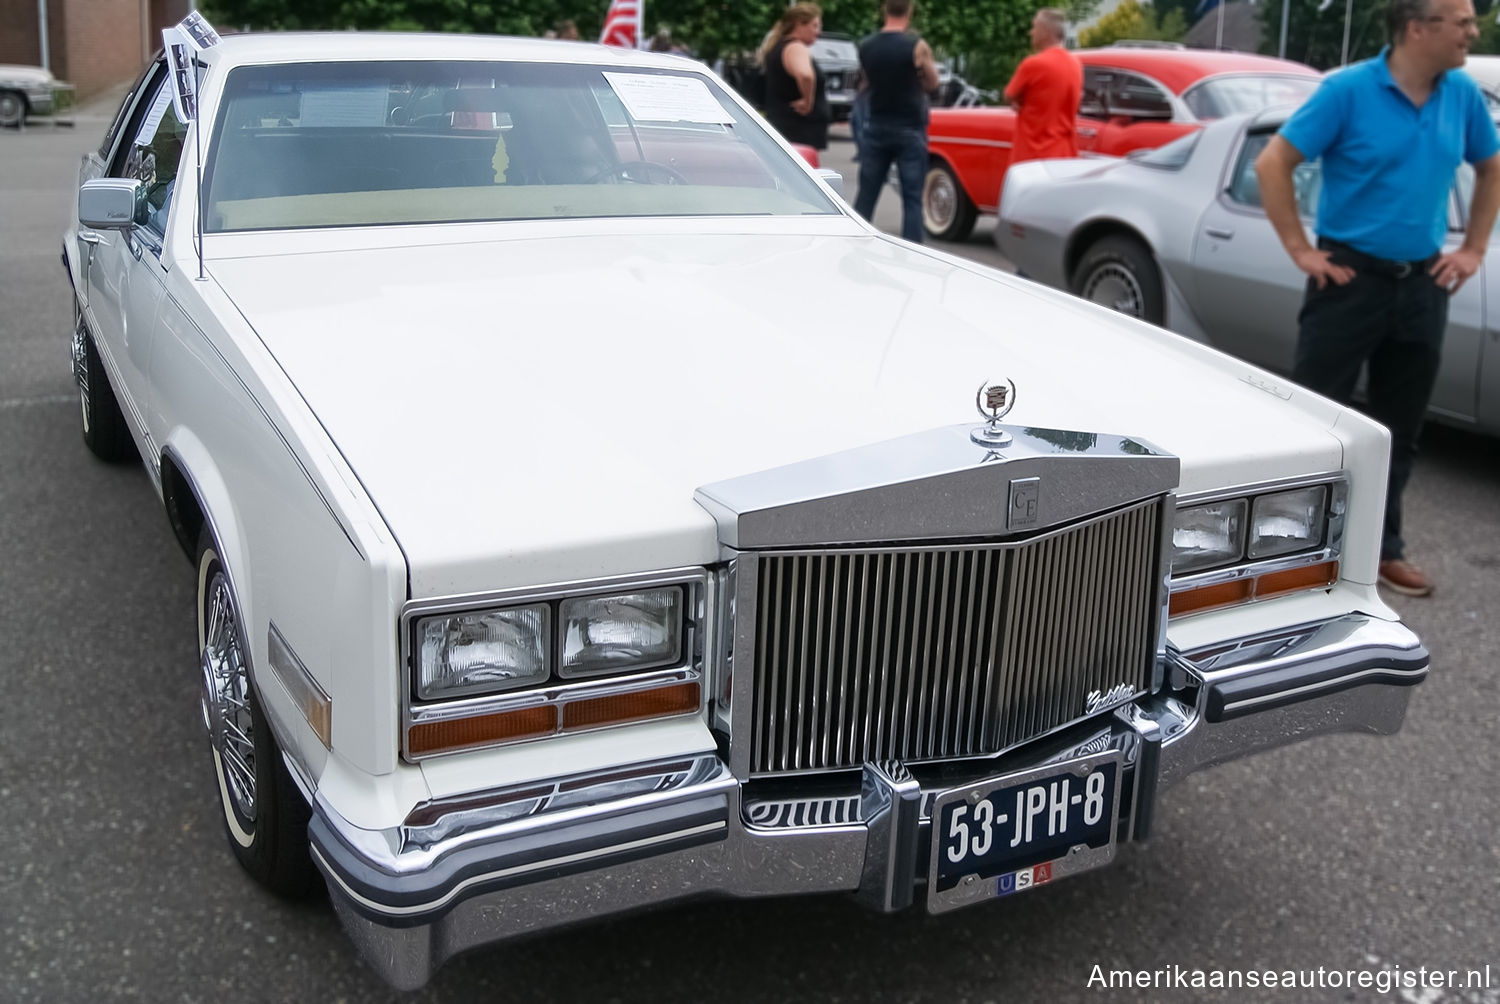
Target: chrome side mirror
pixel 110 203
pixel 832 179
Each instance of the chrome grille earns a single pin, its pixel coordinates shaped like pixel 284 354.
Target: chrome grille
pixel 926 654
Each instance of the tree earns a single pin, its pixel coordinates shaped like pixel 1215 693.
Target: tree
pixel 985 39
pixel 1131 20
pixel 1316 37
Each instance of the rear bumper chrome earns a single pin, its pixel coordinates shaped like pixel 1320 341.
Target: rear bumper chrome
pixel 536 857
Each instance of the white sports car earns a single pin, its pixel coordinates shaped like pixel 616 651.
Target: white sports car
pixel 558 554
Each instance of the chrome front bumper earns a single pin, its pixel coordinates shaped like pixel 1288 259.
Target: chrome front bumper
pixel 524 860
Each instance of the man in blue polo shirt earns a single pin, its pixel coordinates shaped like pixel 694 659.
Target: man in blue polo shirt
pixel 1391 131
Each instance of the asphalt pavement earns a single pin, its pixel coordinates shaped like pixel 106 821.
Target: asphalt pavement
pixel 1343 853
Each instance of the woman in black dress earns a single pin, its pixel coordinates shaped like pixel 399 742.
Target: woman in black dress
pixel 795 102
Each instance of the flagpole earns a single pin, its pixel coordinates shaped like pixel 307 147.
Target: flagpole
pixel 1348 16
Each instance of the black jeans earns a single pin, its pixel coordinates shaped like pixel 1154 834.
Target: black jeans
pixel 881 145
pixel 1391 315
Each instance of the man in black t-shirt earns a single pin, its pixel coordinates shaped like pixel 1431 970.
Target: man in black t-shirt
pixel 899 73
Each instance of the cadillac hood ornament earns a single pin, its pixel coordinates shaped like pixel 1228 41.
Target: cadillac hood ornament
pixel 994 401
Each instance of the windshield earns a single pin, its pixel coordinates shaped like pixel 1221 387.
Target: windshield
pixel 361 144
pixel 1220 96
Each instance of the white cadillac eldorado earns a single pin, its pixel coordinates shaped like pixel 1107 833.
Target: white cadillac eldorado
pixel 589 511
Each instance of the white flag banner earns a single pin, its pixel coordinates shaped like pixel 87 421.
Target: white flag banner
pixel 198 31
pixel 182 42
pixel 180 55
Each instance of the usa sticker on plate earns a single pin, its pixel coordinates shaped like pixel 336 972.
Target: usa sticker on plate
pixel 1011 833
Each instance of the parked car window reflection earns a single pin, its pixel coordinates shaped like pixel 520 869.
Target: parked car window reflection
pixel 1118 92
pixel 1463 188
pixel 154 164
pixel 1244 186
pixel 1231 94
pixel 1172 157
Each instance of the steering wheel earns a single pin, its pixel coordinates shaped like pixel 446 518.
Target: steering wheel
pixel 626 171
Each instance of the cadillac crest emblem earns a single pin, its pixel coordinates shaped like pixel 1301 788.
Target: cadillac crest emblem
pixel 994 401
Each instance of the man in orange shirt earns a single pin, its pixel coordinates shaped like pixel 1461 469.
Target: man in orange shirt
pixel 1045 92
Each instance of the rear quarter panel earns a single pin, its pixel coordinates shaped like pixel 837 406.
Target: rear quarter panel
pixel 976 143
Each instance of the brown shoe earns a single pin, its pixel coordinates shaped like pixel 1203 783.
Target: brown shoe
pixel 1404 577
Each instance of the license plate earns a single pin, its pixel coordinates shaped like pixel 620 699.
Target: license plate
pixel 1009 834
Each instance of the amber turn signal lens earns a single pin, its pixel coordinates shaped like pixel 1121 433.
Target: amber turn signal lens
pixel 661 702
pixel 1293 580
pixel 1190 601
pixel 1296 579
pixel 481 730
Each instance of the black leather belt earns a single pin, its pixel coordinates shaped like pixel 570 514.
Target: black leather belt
pixel 1395 269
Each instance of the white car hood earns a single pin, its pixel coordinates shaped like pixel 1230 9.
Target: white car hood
pixel 540 410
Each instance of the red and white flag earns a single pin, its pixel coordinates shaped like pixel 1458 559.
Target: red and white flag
pixel 622 23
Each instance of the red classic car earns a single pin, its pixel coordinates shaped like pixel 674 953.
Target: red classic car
pixel 1133 97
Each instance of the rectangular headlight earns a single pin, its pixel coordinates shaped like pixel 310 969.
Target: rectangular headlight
pixel 481 651
pixel 1208 536
pixel 1287 522
pixel 626 631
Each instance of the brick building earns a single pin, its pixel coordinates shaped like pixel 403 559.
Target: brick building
pixel 92 44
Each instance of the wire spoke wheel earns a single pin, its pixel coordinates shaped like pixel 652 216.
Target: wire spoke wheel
pixel 81 375
pixel 265 816
pixel 226 699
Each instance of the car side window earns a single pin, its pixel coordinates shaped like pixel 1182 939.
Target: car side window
pixel 1463 197
pixel 152 156
pixel 123 113
pixel 1244 186
pixel 1133 95
pixel 1091 101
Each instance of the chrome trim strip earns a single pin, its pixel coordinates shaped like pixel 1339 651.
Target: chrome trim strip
pixel 936 485
pixel 1190 499
pixel 518 596
pixel 557 693
pixel 998 144
pixel 1233 709
pixel 1293 663
pixel 535 866
pixel 1255 569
